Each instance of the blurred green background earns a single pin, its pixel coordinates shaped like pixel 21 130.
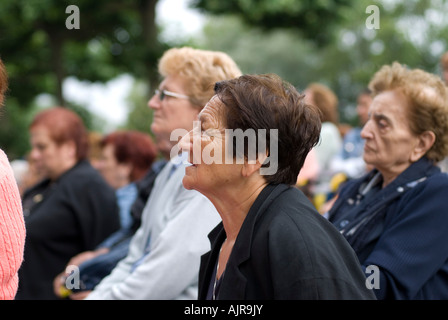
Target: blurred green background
pixel 303 41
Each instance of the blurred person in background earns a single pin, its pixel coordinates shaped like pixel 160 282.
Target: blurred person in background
pixel 330 141
pixel 395 216
pixel 348 163
pixel 72 210
pixel 124 159
pixel 444 67
pixel 349 159
pixel 12 227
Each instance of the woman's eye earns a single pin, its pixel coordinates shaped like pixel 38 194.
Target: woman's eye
pixel 205 133
pixel 382 124
pixel 211 134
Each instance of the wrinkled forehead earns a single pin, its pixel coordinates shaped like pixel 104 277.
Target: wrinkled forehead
pixel 392 105
pixel 213 113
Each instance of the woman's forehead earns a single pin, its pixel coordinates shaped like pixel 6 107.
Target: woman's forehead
pixel 390 104
pixel 213 111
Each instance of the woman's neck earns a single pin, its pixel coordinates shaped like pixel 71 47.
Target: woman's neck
pixel 234 204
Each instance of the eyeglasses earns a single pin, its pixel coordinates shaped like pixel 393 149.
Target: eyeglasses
pixel 163 93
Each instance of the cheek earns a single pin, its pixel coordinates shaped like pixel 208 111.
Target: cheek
pixel 49 156
pixel 172 121
pixel 104 169
pixel 393 149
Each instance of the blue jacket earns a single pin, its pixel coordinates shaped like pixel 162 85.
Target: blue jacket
pixel 402 229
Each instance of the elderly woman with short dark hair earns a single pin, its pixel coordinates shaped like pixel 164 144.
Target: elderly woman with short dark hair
pixel 271 243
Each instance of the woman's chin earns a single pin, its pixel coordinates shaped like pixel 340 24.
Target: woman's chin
pixel 186 182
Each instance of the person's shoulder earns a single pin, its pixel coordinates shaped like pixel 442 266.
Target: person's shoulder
pixel 5 169
pixel 293 207
pixel 291 196
pixel 84 177
pixel 433 185
pixel 84 170
pixel 3 156
pixel 304 224
pixel 439 178
pixel 437 181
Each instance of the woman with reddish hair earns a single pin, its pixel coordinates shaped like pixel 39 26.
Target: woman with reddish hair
pixel 125 159
pixel 132 152
pixel 12 227
pixel 70 211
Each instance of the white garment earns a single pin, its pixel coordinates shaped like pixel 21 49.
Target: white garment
pixel 443 165
pixel 178 222
pixel 330 143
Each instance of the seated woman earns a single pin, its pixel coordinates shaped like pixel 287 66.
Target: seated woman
pixel 71 210
pixel 271 243
pixel 395 216
pixel 124 159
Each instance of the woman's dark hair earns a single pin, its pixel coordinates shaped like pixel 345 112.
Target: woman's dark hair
pixel 267 102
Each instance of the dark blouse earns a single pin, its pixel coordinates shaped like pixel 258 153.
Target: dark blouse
pixel 63 218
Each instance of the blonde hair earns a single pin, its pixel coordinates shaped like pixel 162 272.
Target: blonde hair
pixel 200 70
pixel 3 82
pixel 327 102
pixel 427 102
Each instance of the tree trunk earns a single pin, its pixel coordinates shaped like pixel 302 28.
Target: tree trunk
pixel 150 32
pixel 56 44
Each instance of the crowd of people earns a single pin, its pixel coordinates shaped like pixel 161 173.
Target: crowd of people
pixel 187 214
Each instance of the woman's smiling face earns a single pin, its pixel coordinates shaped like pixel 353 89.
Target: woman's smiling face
pixel 206 148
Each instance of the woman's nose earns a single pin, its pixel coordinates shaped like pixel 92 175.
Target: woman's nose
pixel 34 154
pixel 366 132
pixel 154 102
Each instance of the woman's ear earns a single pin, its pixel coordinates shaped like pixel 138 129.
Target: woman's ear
pixel 249 167
pixel 425 142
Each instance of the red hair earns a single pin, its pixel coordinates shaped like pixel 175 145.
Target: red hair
pixel 133 147
pixel 64 125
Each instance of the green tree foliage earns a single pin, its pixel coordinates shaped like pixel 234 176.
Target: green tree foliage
pixel 303 41
pixel 39 51
pixel 410 32
pixel 314 19
pixel 140 115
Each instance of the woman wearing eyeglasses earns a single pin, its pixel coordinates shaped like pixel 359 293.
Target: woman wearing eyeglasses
pixel 177 101
pixel 164 253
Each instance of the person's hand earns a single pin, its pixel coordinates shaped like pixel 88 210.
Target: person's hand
pixel 59 287
pixel 86 255
pixel 80 295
